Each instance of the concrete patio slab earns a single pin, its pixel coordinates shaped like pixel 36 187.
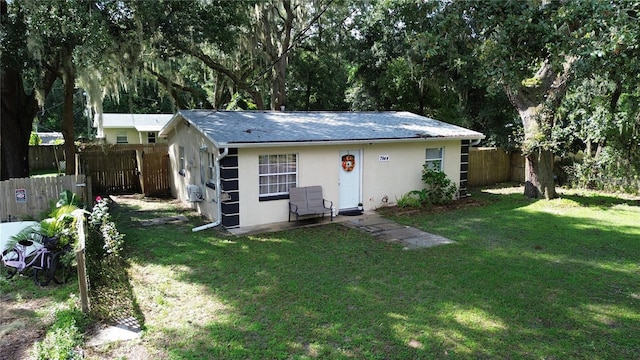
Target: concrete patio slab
pixel 369 222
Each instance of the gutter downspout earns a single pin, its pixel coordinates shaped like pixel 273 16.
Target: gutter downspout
pixel 224 154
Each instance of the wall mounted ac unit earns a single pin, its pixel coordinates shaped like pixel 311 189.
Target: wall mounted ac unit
pixel 194 193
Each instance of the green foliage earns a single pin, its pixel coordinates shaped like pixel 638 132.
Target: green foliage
pixel 63 337
pixel 34 139
pixel 67 197
pixel 60 223
pixel 439 188
pixel 106 240
pixel 607 172
pixel 239 103
pixel 412 199
pixel 27 233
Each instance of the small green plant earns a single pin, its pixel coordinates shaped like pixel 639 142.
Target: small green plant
pixel 439 188
pixel 409 200
pixel 63 337
pixel 104 229
pixel 67 197
pixel 60 223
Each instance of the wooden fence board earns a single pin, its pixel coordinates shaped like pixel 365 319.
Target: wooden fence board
pixel 155 173
pixel 121 168
pixel 40 193
pixel 43 157
pixel 114 172
pixel 489 166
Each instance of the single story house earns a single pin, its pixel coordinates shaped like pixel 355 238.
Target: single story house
pixel 130 128
pixel 236 167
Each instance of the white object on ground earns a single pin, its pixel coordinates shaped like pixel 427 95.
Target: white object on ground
pixel 9 229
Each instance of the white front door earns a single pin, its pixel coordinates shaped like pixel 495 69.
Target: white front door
pixel 350 162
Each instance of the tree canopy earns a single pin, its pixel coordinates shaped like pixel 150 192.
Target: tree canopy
pixel 551 78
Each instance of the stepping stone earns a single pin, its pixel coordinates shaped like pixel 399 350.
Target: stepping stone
pixel 164 220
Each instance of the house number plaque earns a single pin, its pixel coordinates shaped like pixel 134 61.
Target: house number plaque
pixel 383 158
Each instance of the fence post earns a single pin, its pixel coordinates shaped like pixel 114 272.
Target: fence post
pixel 83 284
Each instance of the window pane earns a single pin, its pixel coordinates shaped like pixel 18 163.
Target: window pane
pixel 277 173
pixel 434 153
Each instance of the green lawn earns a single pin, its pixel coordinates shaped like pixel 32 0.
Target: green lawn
pixel 526 279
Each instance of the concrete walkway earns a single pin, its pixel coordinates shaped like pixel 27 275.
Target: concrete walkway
pixel 390 231
pixel 370 222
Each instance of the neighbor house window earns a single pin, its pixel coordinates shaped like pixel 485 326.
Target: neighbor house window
pixel 435 158
pixel 151 137
pixel 277 173
pixel 181 170
pixel 121 137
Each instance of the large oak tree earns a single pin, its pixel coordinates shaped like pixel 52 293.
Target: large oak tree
pixel 42 42
pixel 532 50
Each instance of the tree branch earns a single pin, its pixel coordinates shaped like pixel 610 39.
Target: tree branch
pixel 194 51
pixel 296 38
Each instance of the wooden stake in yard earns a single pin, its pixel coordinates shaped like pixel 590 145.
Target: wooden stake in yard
pixel 80 259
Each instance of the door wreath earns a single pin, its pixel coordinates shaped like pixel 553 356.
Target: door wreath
pixel 348 162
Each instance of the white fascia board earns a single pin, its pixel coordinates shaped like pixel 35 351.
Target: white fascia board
pixel 344 142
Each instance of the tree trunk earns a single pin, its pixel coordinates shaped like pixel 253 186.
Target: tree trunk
pixel 68 132
pixel 17 114
pixel 539 179
pixel 536 104
pixel 279 54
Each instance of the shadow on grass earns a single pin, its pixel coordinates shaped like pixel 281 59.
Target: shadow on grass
pixel 519 284
pixel 111 295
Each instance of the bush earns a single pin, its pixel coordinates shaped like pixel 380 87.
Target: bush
pixel 104 230
pixel 63 337
pixel 608 172
pixel 439 188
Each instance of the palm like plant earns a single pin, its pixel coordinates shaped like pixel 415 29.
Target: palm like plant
pixel 60 225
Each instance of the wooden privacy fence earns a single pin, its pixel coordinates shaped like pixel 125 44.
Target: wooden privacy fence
pixel 155 173
pixel 115 172
pixel 489 166
pixel 45 157
pixel 28 198
pixel 118 169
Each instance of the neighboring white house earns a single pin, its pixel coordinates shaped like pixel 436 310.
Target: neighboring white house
pixel 51 138
pixel 130 128
pixel 236 167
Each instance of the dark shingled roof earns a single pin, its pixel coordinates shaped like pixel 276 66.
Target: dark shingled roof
pixel 256 127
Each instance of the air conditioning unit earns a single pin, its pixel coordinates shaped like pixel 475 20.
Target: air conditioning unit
pixel 194 193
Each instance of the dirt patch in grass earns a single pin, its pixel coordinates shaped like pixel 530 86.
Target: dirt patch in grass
pixel 391 211
pixel 19 327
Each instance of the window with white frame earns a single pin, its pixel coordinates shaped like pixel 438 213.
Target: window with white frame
pixel 121 137
pixel 435 158
pixel 277 173
pixel 212 166
pixel 181 158
pixel 151 137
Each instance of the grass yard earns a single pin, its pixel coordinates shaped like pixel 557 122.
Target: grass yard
pixel 526 279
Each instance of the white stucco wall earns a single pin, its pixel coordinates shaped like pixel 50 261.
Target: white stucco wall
pixel 192 141
pixel 321 165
